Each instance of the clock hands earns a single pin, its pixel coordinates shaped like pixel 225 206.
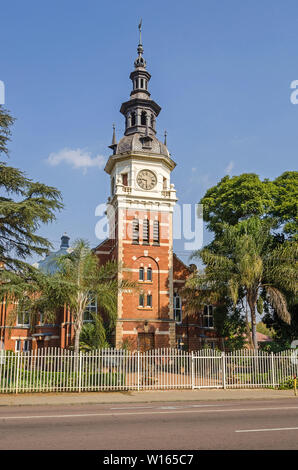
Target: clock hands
pixel 146 180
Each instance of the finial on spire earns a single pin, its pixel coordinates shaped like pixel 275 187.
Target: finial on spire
pixel 140 61
pixel 113 145
pixel 140 29
pixel 165 141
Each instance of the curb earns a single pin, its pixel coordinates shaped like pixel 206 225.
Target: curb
pixel 127 398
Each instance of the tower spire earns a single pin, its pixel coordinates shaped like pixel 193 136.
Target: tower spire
pixel 113 145
pixel 140 111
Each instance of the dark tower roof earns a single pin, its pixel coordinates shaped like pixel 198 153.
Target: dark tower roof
pixel 140 113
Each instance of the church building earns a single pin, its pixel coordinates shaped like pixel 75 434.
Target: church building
pixel 140 213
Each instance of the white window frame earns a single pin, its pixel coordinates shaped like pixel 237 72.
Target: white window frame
pixel 177 310
pixel 27 343
pixel 207 316
pixel 18 342
pixel 92 307
pixel 22 324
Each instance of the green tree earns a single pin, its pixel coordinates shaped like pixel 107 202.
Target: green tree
pixel 24 206
pixel 239 197
pixel 93 335
pixel 243 261
pixel 262 328
pixel 284 334
pixel 78 277
pixel 6 121
pixel 230 324
pixel 285 202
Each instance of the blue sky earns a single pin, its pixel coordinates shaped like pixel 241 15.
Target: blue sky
pixel 221 71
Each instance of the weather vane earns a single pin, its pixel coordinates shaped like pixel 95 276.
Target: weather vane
pixel 140 29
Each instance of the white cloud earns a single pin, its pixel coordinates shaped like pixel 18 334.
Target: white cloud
pixel 230 167
pixel 77 158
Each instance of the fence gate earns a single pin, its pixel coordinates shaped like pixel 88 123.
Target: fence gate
pixel 208 369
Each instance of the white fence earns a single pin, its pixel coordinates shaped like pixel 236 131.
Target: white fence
pixel 59 370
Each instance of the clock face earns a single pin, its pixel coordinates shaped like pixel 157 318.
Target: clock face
pixel 146 179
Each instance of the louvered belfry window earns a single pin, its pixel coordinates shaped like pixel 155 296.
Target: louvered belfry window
pixel 146 231
pixel 156 231
pixel 135 231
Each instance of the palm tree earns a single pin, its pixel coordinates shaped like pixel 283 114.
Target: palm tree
pixel 93 335
pixel 80 277
pixel 77 279
pixel 245 261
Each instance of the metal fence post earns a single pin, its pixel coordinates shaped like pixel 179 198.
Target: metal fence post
pixel 192 371
pixel 223 369
pixel 273 369
pixel 80 372
pixel 18 372
pixel 138 370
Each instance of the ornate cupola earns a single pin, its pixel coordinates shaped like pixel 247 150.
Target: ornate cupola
pixel 140 111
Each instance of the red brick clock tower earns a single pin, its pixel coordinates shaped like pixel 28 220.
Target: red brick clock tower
pixel 140 212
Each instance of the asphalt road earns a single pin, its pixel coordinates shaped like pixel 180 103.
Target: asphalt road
pixel 244 425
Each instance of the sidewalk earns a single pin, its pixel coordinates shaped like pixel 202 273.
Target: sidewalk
pixel 35 399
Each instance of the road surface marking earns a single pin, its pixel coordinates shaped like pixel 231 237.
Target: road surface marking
pixel 130 407
pixel 169 407
pixel 269 429
pixel 89 415
pixel 179 407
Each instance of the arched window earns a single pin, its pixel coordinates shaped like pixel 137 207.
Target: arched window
pixel 112 185
pixel 124 179
pixel 141 300
pixel 141 274
pixel 143 118
pixel 177 308
pixel 146 231
pixel 208 316
pixel 149 274
pixel 133 118
pixel 135 231
pixel 156 232
pixel 149 300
